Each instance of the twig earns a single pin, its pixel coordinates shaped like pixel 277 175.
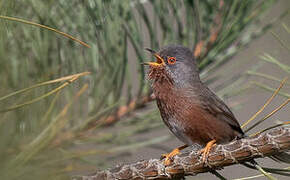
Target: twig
pixel 122 111
pixel 190 163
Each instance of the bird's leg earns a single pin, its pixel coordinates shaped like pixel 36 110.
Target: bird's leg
pixel 174 152
pixel 205 151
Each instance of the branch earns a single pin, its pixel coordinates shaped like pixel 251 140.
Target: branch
pixel 122 111
pixel 189 163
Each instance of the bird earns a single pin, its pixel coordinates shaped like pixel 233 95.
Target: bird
pixel 191 111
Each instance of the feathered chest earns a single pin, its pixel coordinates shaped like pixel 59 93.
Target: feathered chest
pixel 176 108
pixel 172 102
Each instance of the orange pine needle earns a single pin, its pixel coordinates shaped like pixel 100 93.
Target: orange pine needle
pixel 198 49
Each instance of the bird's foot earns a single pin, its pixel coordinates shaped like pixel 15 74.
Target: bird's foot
pixel 205 151
pixel 168 156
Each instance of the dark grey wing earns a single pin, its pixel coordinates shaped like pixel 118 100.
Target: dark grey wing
pixel 219 109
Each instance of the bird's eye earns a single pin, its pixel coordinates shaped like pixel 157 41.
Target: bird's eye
pixel 171 60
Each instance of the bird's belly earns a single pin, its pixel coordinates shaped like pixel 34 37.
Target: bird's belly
pixel 188 133
pixel 192 125
pixel 200 131
pixel 181 132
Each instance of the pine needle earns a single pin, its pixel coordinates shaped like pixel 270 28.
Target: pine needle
pixel 271 127
pixel 268 116
pixel 265 173
pixel 66 78
pixel 267 103
pixel 45 27
pixel 68 82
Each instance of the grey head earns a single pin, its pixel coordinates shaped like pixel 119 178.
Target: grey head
pixel 176 63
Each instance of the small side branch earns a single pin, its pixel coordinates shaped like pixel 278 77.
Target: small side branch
pixel 189 163
pixel 122 111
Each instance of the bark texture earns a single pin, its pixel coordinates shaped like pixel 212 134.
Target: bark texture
pixel 189 163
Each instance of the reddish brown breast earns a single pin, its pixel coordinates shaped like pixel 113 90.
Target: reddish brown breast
pixel 186 119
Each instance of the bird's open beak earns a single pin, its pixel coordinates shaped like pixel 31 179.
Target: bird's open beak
pixel 159 60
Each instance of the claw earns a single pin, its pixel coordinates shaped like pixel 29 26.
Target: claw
pixel 205 151
pixel 168 156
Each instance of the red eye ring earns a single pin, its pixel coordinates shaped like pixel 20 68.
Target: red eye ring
pixel 171 60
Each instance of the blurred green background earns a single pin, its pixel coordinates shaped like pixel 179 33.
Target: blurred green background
pixel 60 129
